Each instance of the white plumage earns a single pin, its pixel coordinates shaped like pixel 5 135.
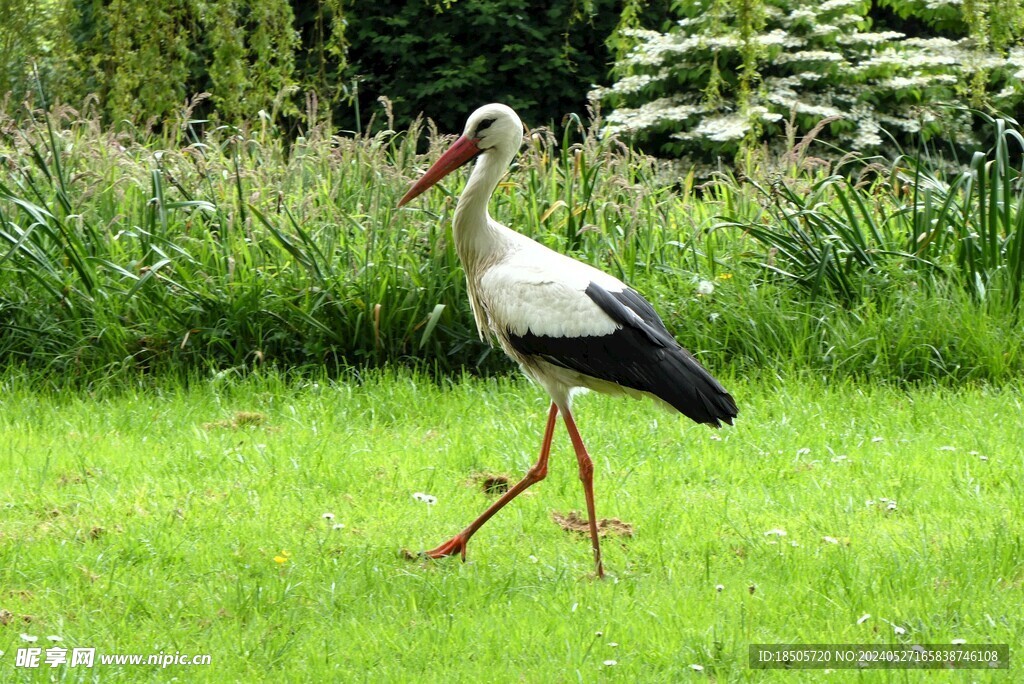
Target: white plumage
pixel 526 292
pixel 567 324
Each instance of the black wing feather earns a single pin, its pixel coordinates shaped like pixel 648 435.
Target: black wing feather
pixel 640 355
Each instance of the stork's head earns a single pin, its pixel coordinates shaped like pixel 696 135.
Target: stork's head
pixel 493 130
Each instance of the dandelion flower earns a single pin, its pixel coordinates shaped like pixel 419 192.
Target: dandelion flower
pixel 29 638
pixel 327 516
pixel 55 637
pixel 338 526
pixel 776 532
pixel 282 557
pixel 697 668
pixel 611 663
pixel 719 588
pixel 898 629
pixel 425 498
pixel 612 644
pixel 705 287
pixel 958 642
pixel 829 540
pixel 863 618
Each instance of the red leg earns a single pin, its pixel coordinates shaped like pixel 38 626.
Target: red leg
pixel 587 477
pixel 457 544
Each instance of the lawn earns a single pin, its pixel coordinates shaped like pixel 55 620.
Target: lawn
pixel 262 522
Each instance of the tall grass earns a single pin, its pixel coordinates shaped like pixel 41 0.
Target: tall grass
pixel 124 250
pixel 838 235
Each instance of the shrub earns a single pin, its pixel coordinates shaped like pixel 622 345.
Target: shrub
pixel 732 73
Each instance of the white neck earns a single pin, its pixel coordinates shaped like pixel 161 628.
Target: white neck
pixel 477 238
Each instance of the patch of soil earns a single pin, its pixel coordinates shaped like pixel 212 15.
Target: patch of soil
pixel 573 522
pixel 491 484
pixel 72 478
pixel 242 419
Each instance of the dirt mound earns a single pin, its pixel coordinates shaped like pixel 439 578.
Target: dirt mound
pixel 573 522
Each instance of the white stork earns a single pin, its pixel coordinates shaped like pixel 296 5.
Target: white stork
pixel 567 324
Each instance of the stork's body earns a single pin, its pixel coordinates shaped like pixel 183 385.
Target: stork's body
pixel 567 324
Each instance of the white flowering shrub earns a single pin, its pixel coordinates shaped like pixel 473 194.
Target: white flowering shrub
pixel 732 73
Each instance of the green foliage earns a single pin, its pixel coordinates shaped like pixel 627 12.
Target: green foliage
pixel 444 59
pixel 143 60
pixel 123 252
pixel 27 29
pixel 840 237
pixel 731 73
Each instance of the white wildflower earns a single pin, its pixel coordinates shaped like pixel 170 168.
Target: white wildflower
pixel 718 128
pixel 809 56
pixel 870 38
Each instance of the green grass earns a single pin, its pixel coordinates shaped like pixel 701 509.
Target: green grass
pixel 136 521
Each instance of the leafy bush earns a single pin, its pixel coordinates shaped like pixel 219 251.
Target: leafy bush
pixel 299 60
pixel 143 60
pixel 732 73
pixel 445 59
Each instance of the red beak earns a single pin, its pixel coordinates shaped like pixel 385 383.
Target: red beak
pixel 458 154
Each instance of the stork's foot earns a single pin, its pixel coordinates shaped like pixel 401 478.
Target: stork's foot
pixel 455 545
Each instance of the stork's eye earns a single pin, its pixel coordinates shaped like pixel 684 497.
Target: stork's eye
pixel 484 125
